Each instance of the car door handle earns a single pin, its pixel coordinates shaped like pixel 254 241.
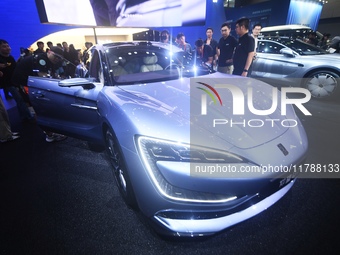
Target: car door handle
pixel 38 94
pixel 84 106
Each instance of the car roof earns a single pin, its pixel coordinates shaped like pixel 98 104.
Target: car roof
pixel 166 46
pixel 290 29
pixel 284 27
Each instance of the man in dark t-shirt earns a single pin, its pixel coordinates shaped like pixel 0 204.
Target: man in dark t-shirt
pixel 7 68
pixel 40 48
pixel 244 52
pixel 203 54
pixel 7 65
pixel 225 50
pixel 212 42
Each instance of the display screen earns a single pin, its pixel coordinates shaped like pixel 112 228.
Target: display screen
pixel 123 13
pixel 304 13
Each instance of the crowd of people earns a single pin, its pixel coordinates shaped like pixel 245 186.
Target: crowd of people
pixel 228 55
pixel 325 43
pixel 60 61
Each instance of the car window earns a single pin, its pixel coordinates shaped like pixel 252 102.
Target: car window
pixel 94 71
pixel 302 48
pixel 269 47
pixel 296 45
pixel 291 33
pixel 145 64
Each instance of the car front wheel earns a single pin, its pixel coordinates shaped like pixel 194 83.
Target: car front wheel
pixel 323 84
pixel 119 169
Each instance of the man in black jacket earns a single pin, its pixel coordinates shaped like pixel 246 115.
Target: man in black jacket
pixel 43 65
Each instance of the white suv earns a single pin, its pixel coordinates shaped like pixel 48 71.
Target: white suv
pixel 295 31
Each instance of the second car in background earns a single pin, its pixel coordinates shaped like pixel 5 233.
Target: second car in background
pixel 294 63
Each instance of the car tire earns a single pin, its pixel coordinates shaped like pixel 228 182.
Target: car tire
pixel 323 84
pixel 120 172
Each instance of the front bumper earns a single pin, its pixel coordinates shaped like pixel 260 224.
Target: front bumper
pixel 196 226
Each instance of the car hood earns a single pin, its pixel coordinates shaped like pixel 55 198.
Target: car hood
pixel 175 107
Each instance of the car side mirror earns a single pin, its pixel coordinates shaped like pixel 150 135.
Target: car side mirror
pixel 85 83
pixel 287 52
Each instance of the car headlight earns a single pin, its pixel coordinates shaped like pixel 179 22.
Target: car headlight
pixel 153 151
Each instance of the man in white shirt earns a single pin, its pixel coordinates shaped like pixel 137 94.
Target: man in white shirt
pixel 255 34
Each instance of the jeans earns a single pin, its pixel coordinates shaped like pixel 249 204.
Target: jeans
pixel 225 69
pixel 5 126
pixel 25 113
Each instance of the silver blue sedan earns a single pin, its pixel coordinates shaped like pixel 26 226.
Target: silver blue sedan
pixel 184 148
pixel 292 62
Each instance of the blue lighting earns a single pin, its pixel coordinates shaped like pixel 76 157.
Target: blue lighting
pixel 305 13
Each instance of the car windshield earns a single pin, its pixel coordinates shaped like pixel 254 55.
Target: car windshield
pixel 139 64
pixel 301 47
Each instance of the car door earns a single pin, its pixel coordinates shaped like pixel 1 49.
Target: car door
pixel 69 106
pixel 272 64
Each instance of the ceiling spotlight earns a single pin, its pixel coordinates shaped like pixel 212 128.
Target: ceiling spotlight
pixel 323 1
